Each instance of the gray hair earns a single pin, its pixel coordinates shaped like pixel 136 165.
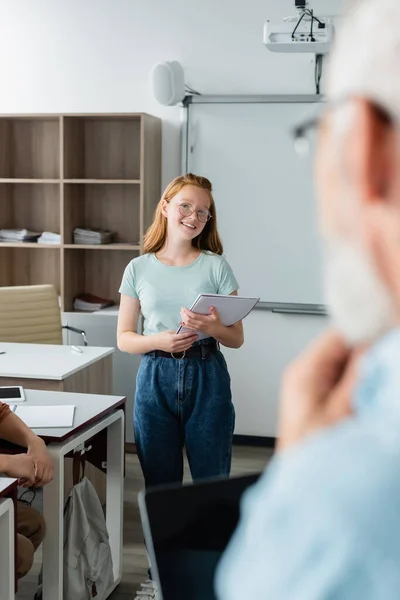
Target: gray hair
pixel 365 61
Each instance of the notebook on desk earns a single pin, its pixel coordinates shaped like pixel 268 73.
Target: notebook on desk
pixel 231 309
pixel 45 416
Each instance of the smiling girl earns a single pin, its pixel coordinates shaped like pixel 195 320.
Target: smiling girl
pixel 183 395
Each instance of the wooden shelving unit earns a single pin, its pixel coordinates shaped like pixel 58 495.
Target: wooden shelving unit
pixel 58 172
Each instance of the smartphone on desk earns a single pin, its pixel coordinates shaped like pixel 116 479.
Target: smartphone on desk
pixel 10 394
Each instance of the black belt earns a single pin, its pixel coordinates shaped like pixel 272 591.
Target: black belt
pixel 197 351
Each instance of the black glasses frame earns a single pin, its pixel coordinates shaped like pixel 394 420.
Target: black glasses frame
pixel 299 132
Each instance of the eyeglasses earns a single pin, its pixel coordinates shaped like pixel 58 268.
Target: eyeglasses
pixel 303 134
pixel 187 210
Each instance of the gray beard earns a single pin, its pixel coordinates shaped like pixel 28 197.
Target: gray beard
pixel 359 304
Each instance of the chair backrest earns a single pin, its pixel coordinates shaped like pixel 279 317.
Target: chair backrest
pixel 30 314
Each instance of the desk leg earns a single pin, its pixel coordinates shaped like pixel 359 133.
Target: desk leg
pixel 53 503
pixel 115 492
pixel 53 509
pixel 7 535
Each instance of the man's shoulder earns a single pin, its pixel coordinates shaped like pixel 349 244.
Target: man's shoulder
pixel 351 468
pixel 325 511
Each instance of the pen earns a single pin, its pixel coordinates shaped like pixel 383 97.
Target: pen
pixel 76 349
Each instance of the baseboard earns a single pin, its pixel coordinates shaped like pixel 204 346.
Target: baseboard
pixel 238 440
pixel 130 448
pixel 254 440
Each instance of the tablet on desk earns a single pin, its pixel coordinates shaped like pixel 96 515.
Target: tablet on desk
pixel 12 393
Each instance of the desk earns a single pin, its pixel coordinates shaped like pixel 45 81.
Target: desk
pixel 101 330
pixel 58 368
pixel 93 414
pixel 8 533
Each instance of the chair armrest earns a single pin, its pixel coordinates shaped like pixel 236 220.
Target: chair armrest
pixel 75 330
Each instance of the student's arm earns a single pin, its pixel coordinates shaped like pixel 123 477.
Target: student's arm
pixel 231 337
pixel 127 337
pixel 130 341
pixel 13 430
pixel 20 466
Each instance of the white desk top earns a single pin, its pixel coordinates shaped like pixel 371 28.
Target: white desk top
pixel 88 408
pixel 6 483
pixel 46 361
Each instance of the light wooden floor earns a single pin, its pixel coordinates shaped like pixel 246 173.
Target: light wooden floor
pixel 245 460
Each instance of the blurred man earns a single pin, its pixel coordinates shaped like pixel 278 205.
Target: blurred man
pixel 323 522
pixel 35 468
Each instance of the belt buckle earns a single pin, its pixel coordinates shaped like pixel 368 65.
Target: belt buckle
pixel 181 358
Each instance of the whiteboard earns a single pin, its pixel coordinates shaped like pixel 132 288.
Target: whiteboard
pixel 263 193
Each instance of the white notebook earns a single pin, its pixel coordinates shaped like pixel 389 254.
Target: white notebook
pixel 45 416
pixel 231 309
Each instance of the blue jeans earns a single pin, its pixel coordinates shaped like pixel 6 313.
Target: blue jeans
pixel 183 403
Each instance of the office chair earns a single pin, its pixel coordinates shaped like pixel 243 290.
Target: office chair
pixel 31 314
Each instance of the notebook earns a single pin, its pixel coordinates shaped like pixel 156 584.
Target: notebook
pixel 231 309
pixel 187 529
pixel 45 416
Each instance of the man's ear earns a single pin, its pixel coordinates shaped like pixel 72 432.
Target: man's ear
pixel 378 181
pixel 370 154
pixel 381 237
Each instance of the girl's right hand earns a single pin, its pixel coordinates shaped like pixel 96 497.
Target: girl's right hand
pixel 169 341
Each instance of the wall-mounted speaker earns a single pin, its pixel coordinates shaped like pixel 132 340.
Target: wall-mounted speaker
pixel 168 83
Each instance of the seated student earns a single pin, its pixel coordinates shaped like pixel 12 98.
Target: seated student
pixel 35 468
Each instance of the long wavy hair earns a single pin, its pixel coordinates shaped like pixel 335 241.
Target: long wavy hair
pixel 156 235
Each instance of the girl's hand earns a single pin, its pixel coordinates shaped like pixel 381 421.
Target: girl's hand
pixel 169 341
pixel 208 324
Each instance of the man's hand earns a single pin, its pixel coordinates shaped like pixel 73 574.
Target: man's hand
pixel 42 460
pixel 20 466
pixel 317 389
pixel 208 324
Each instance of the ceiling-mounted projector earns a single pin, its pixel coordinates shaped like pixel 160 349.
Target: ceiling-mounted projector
pixel 304 32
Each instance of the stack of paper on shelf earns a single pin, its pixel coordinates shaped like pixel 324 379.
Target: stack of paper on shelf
pixel 18 235
pixel 48 237
pixel 92 236
pixel 90 302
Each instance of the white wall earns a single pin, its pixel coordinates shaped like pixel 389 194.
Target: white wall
pixel 96 55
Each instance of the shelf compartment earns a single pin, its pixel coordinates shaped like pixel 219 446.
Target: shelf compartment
pixel 120 247
pixel 112 207
pixel 98 273
pixel 29 181
pixel 102 147
pixel 102 181
pixel 27 245
pixel 30 148
pixel 35 207
pixel 20 266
